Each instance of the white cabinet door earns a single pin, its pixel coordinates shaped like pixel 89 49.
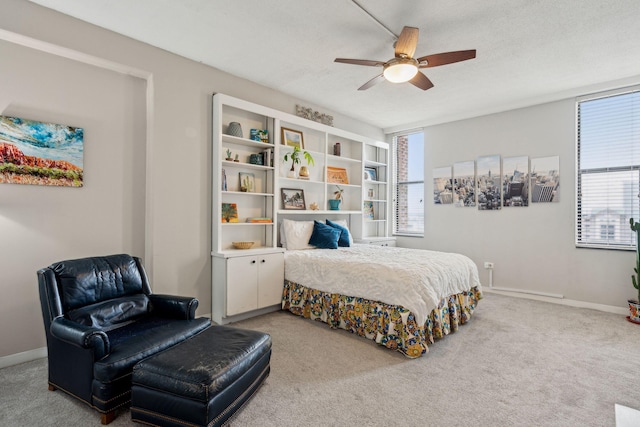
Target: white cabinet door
pixel 242 282
pixel 270 279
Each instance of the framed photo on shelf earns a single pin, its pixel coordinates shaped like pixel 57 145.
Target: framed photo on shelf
pixel 292 138
pixel 337 175
pixel 229 212
pixel 367 210
pixel 370 174
pixel 247 182
pixel 293 198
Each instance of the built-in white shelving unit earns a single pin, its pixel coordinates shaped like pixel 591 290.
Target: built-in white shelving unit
pixel 375 193
pixel 247 282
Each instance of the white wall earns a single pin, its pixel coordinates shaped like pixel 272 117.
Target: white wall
pixel 533 247
pixel 162 186
pixel 40 225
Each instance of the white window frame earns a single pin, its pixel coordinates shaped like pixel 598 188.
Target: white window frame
pixel 395 184
pixel 582 225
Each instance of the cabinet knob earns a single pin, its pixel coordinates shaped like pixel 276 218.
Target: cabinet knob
pixel 253 262
pixel 263 261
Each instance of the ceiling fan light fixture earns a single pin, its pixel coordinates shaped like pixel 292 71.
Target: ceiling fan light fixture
pixel 400 70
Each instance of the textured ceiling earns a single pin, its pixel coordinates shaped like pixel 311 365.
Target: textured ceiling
pixel 528 51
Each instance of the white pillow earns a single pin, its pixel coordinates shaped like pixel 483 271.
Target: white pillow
pixel 343 222
pixel 283 238
pixel 297 234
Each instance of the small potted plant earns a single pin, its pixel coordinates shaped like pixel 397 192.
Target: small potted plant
pixel 334 204
pixel 295 159
pixel 229 158
pixel 634 305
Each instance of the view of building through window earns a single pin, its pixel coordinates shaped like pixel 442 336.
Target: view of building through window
pixel 409 184
pixel 608 170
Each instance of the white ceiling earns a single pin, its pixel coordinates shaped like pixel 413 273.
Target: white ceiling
pixel 528 51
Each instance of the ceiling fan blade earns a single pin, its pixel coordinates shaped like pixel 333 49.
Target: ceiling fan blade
pixel 367 62
pixel 421 81
pixel 446 58
pixel 371 82
pixel 407 42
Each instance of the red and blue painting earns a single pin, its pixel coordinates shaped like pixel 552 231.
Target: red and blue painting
pixel 39 153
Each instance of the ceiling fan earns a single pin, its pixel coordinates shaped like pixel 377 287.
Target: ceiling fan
pixel 404 67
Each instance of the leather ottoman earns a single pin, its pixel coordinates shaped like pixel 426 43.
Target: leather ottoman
pixel 202 381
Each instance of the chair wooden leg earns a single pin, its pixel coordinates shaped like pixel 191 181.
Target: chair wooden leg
pixel 52 387
pixel 107 417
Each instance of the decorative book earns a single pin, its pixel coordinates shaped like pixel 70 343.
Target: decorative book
pixel 260 220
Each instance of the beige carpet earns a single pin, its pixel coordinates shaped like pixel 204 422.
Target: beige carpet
pixel 517 363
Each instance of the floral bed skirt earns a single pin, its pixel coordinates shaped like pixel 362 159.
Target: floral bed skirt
pixel 389 325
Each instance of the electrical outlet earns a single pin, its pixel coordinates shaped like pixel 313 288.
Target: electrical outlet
pixel 488 265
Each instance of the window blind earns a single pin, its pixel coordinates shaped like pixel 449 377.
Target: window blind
pixel 608 168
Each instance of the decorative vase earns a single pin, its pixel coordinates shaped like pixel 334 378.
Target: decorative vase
pixel 303 173
pixel 291 173
pixel 234 129
pixel 634 311
pixel 334 204
pixel 256 159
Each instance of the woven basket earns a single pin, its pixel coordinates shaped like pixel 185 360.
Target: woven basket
pixel 242 245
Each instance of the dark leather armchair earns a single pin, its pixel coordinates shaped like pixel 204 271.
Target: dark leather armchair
pixel 100 319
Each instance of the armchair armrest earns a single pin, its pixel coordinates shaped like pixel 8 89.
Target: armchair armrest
pixel 81 336
pixel 173 306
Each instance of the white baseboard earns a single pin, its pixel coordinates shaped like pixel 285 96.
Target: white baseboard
pixel 560 301
pixel 526 291
pixel 25 356
pixel 250 314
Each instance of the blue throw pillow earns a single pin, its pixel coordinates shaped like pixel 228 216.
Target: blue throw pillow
pixel 344 241
pixel 324 236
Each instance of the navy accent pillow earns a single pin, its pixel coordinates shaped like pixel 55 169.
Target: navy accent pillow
pixel 344 234
pixel 324 236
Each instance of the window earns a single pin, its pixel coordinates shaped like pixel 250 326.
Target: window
pixel 408 189
pixel 607 231
pixel 608 169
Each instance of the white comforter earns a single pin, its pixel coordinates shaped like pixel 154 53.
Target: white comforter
pixel 415 279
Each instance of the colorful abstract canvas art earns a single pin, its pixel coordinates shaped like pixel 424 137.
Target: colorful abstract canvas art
pixel 40 153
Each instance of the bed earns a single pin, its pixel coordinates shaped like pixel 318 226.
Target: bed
pixel 403 299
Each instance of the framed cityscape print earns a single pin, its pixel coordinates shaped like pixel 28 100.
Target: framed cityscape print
pixel 545 179
pixel 489 189
pixel 515 181
pixel 464 184
pixel 442 189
